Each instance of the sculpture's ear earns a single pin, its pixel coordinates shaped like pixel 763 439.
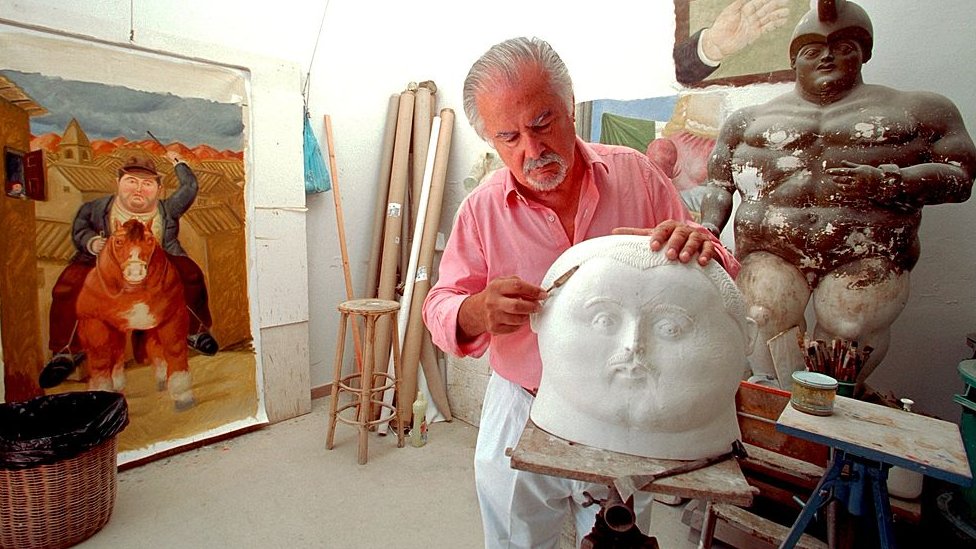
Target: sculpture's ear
pixel 752 332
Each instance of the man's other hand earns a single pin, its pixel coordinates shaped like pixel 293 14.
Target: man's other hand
pixel 681 240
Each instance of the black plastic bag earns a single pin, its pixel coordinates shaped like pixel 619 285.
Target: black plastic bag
pixel 52 428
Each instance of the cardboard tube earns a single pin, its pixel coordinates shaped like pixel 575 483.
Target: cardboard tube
pixel 421 282
pixel 408 290
pixel 392 226
pixel 382 195
pixel 434 376
pixel 421 142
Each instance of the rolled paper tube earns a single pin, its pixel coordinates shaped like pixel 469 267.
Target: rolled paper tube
pixel 382 195
pixel 422 282
pixel 392 227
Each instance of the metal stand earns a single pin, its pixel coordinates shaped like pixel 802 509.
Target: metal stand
pixel 850 479
pixel 616 525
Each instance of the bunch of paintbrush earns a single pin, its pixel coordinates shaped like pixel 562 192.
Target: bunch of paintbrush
pixel 840 359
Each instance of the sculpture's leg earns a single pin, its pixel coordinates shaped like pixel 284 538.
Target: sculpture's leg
pixel 776 295
pixel 860 301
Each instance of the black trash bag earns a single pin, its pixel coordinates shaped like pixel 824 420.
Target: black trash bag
pixel 52 428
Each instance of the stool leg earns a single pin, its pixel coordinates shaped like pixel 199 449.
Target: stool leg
pixel 397 397
pixel 330 439
pixel 366 388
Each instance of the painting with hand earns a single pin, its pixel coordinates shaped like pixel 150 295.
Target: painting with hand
pixel 139 243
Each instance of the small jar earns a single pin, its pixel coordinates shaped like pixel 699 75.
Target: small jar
pixel 813 393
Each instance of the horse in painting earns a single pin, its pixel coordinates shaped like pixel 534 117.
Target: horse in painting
pixel 134 289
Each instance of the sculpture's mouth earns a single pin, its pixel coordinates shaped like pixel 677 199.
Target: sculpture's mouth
pixel 629 369
pixel 826 67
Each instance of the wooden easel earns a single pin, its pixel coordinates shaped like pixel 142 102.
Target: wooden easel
pixel 540 452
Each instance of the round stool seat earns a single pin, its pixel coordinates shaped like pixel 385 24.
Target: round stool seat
pixel 368 306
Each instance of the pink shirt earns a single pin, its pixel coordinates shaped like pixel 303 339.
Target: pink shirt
pixel 498 232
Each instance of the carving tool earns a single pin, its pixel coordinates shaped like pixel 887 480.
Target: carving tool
pixel 562 279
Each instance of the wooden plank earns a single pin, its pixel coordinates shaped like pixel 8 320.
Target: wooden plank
pixel 284 363
pixel 760 528
pixel 540 452
pixel 919 443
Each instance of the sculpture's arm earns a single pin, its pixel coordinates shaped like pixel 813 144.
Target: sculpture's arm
pixel 946 175
pixel 716 207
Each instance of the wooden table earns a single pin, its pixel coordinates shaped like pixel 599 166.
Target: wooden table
pixel 540 452
pixel 866 440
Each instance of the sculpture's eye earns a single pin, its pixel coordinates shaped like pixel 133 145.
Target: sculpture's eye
pixel 672 327
pixel 812 51
pixel 605 323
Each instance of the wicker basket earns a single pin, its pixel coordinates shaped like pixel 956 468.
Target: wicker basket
pixel 59 504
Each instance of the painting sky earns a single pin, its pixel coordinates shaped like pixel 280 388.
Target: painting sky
pixel 106 112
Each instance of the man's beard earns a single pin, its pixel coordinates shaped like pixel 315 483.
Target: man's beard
pixel 546 182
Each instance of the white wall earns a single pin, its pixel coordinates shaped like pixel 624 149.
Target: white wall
pixel 621 50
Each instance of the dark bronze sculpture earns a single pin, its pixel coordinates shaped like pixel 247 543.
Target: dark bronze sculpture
pixel 833 176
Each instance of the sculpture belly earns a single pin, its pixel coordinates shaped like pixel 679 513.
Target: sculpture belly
pixel 819 239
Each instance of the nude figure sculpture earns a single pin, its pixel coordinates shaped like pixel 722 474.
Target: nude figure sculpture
pixel 641 355
pixel 833 176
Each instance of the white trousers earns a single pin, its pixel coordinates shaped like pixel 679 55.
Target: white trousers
pixel 522 510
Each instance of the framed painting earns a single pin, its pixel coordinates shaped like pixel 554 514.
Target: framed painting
pixel 764 53
pixel 135 236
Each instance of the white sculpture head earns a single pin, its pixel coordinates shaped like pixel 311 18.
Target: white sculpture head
pixel 641 355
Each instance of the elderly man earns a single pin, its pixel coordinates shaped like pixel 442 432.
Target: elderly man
pixel 556 191
pixel 833 177
pixel 138 197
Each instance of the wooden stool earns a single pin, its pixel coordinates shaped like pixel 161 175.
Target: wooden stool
pixel 371 310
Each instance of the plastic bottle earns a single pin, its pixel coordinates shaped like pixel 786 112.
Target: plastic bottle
pixel 418 432
pixel 903 483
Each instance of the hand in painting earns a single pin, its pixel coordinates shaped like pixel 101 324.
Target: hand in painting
pixel 741 23
pixel 174 157
pixel 682 240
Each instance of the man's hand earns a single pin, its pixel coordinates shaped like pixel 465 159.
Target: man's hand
pixel 174 157
pixel 682 240
pixel 96 244
pixel 741 23
pixel 502 307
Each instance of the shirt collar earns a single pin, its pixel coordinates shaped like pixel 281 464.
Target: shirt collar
pixel 590 158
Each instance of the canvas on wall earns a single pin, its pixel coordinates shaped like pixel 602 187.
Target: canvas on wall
pixel 124 182
pixel 754 43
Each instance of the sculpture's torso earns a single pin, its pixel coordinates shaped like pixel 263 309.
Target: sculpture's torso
pixel 791 208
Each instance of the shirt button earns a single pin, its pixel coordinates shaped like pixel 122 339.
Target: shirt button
pixel 552 218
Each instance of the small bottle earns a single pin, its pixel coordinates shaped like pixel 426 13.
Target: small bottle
pixel 418 432
pixel 904 483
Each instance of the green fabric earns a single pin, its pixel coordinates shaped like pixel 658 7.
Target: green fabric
pixel 631 132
